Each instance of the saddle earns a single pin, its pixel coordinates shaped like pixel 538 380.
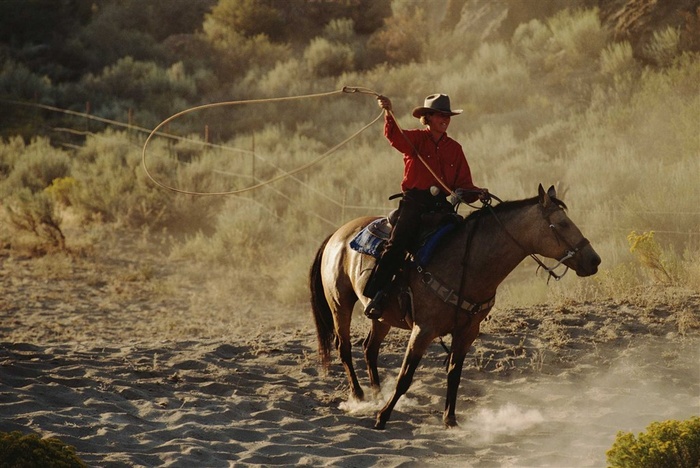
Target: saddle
pixel 436 227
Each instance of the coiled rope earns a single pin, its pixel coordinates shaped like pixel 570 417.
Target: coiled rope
pixel 285 174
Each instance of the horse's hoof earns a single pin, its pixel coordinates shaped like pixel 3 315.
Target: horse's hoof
pixel 379 425
pixel 451 423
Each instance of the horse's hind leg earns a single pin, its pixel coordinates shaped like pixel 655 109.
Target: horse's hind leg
pixel 344 348
pixel 371 345
pixel 342 333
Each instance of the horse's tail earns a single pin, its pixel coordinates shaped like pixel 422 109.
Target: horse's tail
pixel 321 310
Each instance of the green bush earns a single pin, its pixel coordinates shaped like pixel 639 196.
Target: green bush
pixel 672 444
pixel 19 450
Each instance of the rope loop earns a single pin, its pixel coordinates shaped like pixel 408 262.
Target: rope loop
pixel 359 89
pixel 285 174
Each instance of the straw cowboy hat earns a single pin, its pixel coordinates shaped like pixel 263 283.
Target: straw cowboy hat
pixel 436 103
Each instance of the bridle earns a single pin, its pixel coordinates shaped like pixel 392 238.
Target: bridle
pixel 571 251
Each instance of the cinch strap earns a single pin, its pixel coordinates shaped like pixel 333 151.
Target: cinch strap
pixel 449 296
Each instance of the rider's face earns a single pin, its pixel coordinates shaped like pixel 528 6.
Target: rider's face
pixel 439 122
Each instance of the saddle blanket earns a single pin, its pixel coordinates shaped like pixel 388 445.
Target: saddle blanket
pixel 373 237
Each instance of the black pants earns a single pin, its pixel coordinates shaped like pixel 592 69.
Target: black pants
pixel 404 236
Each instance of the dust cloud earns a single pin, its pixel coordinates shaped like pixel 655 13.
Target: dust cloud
pixel 572 419
pixel 564 419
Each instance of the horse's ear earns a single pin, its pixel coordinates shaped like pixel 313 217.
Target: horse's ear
pixel 552 192
pixel 543 196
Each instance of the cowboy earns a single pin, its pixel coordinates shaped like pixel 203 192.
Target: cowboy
pixel 434 167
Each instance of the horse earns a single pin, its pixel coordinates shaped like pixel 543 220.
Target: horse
pixel 451 295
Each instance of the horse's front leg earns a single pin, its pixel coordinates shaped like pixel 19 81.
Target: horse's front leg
pixel 371 345
pixel 417 345
pixel 461 341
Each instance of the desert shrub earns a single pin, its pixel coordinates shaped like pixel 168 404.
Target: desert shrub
pixel 10 151
pixel 150 89
pixel 662 113
pixel 247 17
pixel 565 49
pixel 645 207
pixel 111 34
pixel 246 234
pixel 106 179
pixel 494 81
pixel 31 451
pixel 21 83
pixel 111 186
pixel 664 47
pixel 340 30
pixel 34 167
pixel 60 189
pixel 649 253
pixel 400 40
pixel 617 59
pixel 36 213
pixel 531 41
pixel 239 53
pixel 578 38
pixel 669 444
pixel 326 58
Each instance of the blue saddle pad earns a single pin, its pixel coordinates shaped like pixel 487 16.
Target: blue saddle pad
pixel 426 251
pixel 373 237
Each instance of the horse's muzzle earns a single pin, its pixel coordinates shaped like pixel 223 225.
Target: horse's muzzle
pixel 586 262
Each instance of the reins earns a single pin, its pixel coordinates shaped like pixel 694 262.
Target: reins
pixel 479 307
pixel 573 250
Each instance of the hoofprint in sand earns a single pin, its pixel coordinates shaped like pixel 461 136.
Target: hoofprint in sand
pixel 113 359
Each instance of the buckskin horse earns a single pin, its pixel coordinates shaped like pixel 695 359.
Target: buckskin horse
pixel 452 294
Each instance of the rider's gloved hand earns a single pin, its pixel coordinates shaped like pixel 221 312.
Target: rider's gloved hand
pixel 485 196
pixel 384 102
pixel 467 196
pixel 460 195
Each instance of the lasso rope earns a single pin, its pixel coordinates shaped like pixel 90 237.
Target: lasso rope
pixel 285 174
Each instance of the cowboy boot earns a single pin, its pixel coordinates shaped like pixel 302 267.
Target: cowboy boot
pixel 374 307
pixel 379 281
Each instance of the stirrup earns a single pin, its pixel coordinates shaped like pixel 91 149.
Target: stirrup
pixel 373 309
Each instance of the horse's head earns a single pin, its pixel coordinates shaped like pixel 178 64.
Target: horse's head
pixel 561 239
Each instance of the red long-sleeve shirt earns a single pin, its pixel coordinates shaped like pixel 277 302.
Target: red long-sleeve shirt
pixel 445 157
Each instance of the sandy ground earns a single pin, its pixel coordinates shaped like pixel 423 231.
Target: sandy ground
pixel 136 364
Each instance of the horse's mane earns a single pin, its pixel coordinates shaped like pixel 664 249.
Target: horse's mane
pixel 511 205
